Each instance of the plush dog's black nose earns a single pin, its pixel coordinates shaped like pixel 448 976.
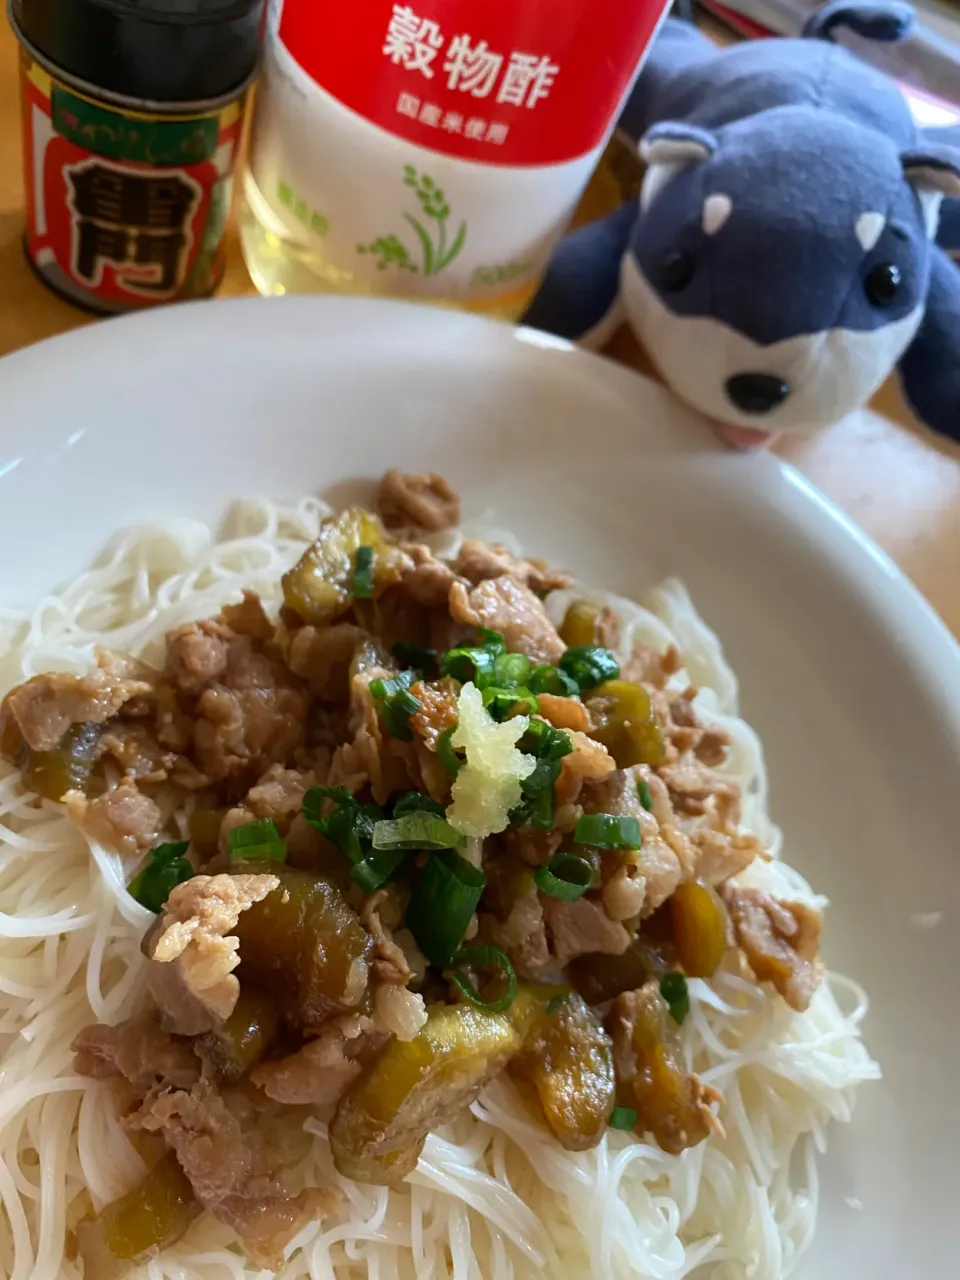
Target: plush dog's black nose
pixel 757 392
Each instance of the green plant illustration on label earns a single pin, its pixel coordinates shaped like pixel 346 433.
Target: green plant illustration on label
pixel 436 252
pixel 504 272
pixel 310 218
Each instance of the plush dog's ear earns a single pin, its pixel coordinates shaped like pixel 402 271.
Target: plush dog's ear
pixel 667 147
pixel 934 172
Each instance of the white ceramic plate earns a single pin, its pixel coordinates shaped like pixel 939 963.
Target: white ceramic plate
pixel 850 678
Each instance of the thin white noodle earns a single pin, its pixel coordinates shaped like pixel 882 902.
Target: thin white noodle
pixel 493 1197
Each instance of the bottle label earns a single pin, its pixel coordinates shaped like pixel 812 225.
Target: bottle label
pixel 124 208
pixel 507 82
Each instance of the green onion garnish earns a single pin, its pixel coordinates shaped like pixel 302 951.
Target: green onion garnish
pixel 348 825
pixel 557 1002
pixel 446 754
pixel 535 810
pixel 501 702
pixel 166 868
pixel 415 655
pixel 590 665
pixel 607 831
pixel 377 868
pixel 623 1118
pixel 673 988
pixel 510 669
pixel 416 802
pixel 484 958
pixel 643 792
pixel 565 876
pixel 416 831
pixel 257 840
pixel 548 679
pixel 443 904
pixel 363 574
pixel 395 703
pixel 469 664
pixel 545 742
pixel 492 640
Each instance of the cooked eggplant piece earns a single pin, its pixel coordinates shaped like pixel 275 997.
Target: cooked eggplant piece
pixel 246 1036
pixel 568 1060
pixel 135 1228
pixel 625 723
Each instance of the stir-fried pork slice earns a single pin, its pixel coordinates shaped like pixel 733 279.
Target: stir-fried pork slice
pixel 655 862
pixel 589 761
pixel 780 941
pixel 428 579
pixel 248 618
pixel 278 796
pixel 649 666
pixel 251 711
pixel 672 1103
pixel 371 756
pixel 580 928
pixel 196 929
pixel 564 713
pixel 721 855
pixel 318 1074
pixel 424 501
pixel 477 561
pixel 322 656
pixel 231 1170
pixel 43 709
pixel 138 1050
pixel 135 749
pixel 696 790
pixel 523 935
pixel 123 819
pixel 501 604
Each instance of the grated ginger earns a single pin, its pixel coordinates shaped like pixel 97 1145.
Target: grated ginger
pixel 488 785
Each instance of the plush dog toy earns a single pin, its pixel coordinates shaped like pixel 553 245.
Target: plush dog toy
pixel 781 261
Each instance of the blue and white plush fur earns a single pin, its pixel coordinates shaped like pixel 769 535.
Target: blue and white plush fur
pixel 782 260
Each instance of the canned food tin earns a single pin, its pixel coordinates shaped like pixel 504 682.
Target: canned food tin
pixel 126 198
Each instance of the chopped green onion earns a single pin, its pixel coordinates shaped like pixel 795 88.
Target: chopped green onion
pixel 555 1003
pixel 565 876
pixel 257 840
pixel 623 1118
pixel 492 640
pixel 643 792
pixel 536 810
pixel 484 958
pixel 166 868
pixel 395 703
pixel 385 687
pixel 377 868
pixel 416 802
pixel 415 655
pixel 545 742
pixel 511 669
pixel 363 574
pixel 443 904
pixel 468 664
pixel 607 831
pixel 446 754
pixel 348 825
pixel 673 988
pixel 547 679
pixel 501 702
pixel 590 665
pixel 416 831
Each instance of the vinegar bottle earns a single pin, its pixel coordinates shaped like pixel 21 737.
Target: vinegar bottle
pixel 433 150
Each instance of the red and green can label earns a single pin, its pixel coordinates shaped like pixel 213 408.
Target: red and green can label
pixel 125 208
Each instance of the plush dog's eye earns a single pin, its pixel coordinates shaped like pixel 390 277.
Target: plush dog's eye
pixel 883 284
pixel 676 271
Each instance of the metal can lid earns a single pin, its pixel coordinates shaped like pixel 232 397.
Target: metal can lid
pixel 167 51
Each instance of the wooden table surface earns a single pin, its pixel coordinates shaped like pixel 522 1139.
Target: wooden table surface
pixel 897 481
